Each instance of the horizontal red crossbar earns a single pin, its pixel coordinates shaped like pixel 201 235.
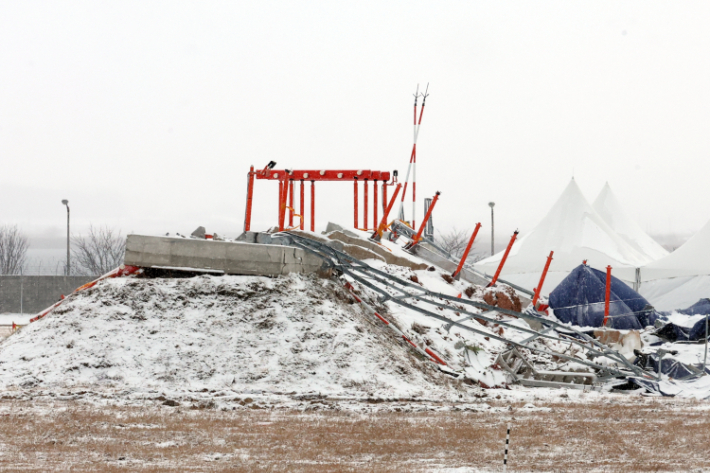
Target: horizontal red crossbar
pixel 324 175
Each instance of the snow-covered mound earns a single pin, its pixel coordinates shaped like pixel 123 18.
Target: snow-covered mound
pixel 291 335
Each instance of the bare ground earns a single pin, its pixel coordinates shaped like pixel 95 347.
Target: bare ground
pixel 624 433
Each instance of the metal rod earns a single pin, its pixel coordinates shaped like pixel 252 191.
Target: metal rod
pixel 290 204
pixel 377 236
pixel 417 238
pixel 502 261
pixel 542 280
pixel 355 203
pixel 313 206
pixel 250 195
pixel 365 205
pixel 456 273
pixel 607 294
pixel 375 205
pixel 705 360
pixel 302 208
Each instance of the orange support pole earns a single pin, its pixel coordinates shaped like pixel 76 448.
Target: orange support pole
pixel 456 273
pixel 355 204
pixel 250 196
pixel 290 204
pixel 502 261
pixel 281 193
pixel 313 206
pixel 302 207
pixel 417 238
pixel 384 199
pixel 365 206
pixel 542 280
pixel 607 295
pixel 284 199
pixel 377 236
pixel 374 206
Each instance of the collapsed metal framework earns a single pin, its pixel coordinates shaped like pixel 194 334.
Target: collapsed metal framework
pixel 286 178
pixel 412 296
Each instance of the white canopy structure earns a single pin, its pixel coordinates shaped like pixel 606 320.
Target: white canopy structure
pixel 609 208
pixel 681 278
pixel 575 232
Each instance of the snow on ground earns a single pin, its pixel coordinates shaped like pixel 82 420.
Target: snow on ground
pixel 20 319
pixel 290 335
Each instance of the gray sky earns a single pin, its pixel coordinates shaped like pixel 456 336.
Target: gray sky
pixel 147 115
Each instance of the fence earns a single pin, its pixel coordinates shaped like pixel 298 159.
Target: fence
pixel 31 294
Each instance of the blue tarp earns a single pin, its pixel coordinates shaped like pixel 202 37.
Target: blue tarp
pixel 687 333
pixel 579 300
pixel 673 368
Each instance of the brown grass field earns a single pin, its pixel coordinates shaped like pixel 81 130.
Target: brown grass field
pixel 628 434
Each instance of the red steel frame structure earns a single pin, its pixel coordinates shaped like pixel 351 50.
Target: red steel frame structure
pixel 286 179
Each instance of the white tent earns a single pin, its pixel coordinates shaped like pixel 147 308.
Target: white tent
pixel 575 232
pixel 681 278
pixel 609 208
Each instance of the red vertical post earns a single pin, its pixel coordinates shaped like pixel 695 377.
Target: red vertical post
pixel 355 203
pixel 418 236
pixel 290 204
pixel 377 236
pixel 374 206
pixel 607 295
pixel 502 261
pixel 302 209
pixel 542 280
pixel 456 273
pixel 250 196
pixel 281 192
pixel 313 206
pixel 366 204
pixel 284 199
pixel 384 198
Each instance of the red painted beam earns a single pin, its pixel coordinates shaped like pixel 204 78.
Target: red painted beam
pixel 324 175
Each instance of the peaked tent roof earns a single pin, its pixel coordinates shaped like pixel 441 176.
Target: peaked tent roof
pixel 575 232
pixel 691 259
pixel 609 208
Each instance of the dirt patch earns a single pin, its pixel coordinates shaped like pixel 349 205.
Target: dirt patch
pixel 502 296
pixel 634 434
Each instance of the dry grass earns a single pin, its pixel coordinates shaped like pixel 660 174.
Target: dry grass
pixel 638 435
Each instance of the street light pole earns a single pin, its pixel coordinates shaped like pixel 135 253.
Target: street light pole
pixel 492 204
pixel 67 270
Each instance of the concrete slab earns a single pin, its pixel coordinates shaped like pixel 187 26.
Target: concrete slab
pixel 228 257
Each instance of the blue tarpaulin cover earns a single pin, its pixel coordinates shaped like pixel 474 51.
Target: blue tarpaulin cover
pixel 579 300
pixel 688 332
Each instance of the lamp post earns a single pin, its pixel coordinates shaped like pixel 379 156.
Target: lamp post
pixel 68 267
pixel 491 205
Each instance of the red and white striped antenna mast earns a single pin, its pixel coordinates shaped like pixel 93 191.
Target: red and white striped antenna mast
pixel 413 158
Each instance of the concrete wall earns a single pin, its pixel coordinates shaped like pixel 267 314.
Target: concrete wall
pixel 38 292
pixel 221 256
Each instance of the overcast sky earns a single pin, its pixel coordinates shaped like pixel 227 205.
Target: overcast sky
pixel 147 115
